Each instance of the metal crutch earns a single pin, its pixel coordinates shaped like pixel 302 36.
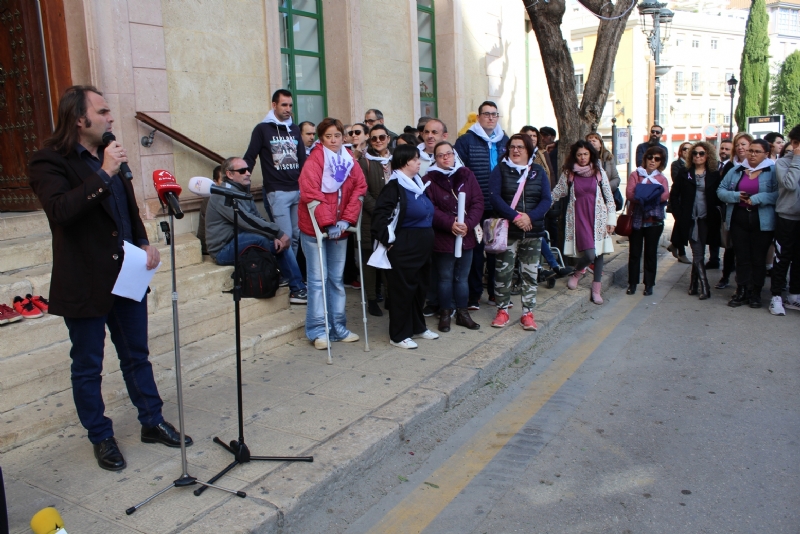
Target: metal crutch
pixel 312 206
pixel 357 231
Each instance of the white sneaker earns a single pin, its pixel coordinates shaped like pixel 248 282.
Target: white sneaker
pixel 793 302
pixel 427 334
pixel 776 306
pixel 351 338
pixel 407 343
pixel 320 343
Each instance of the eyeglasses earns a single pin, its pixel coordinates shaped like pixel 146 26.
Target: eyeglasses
pixel 490 114
pixel 243 170
pixel 379 138
pixel 684 149
pixel 370 122
pixel 654 158
pixel 755 152
pixel 444 155
pixel 516 148
pixel 655 132
pixel 697 153
pixel 354 132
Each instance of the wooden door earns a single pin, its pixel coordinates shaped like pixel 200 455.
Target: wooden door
pixel 24 106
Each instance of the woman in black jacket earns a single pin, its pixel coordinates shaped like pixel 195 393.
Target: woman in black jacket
pixel 678 246
pixel 409 246
pixel 694 202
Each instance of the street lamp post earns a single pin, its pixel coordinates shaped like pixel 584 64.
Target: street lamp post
pixel 656 37
pixel 732 90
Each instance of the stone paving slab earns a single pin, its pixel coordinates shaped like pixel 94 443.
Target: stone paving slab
pixel 347 415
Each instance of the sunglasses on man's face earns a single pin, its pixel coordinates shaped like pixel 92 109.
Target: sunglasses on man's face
pixel 379 138
pixel 354 132
pixel 697 153
pixel 655 132
pixel 243 170
pixel 654 158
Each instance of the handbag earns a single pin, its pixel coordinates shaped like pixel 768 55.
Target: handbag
pixel 495 230
pixel 625 222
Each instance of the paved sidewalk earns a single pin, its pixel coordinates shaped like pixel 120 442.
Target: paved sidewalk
pixel 346 415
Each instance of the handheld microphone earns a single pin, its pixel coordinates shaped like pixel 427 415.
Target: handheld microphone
pixel 168 191
pixel 47 521
pixel 124 170
pixel 205 187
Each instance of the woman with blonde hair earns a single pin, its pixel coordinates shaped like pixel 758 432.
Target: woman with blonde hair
pixel 694 203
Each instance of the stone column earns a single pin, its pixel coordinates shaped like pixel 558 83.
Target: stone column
pixel 450 65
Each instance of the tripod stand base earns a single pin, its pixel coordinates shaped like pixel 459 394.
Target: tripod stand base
pixel 241 455
pixel 183 482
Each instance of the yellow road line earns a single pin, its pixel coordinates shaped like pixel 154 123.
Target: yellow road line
pixel 414 513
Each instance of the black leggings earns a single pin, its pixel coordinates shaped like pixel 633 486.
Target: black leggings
pixel 751 245
pixel 589 256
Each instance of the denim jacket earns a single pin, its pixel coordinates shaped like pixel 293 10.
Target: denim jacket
pixel 765 198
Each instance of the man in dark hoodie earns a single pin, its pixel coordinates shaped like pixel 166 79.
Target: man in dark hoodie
pixel 278 142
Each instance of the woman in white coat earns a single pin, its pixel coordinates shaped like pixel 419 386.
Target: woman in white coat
pixel 591 214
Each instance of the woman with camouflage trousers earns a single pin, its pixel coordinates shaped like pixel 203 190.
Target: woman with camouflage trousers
pixel 519 191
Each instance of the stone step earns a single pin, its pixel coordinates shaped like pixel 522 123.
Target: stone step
pixel 21 224
pixel 37 373
pixel 25 252
pixel 194 282
pixel 28 422
pixel 188 251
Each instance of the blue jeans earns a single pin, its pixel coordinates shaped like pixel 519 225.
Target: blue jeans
pixel 453 275
pixel 127 322
pixel 548 255
pixel 287 263
pixel 334 253
pixel 284 210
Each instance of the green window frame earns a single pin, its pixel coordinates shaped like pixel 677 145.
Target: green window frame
pixel 426 37
pixel 303 58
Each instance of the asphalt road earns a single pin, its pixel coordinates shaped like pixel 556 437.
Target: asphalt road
pixel 659 414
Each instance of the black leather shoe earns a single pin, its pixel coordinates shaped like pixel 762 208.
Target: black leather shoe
pixel 722 284
pixel 740 298
pixel 108 455
pixel 164 433
pixel 648 290
pixel 631 289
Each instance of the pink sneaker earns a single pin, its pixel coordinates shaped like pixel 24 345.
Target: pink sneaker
pixel 501 319
pixel 528 322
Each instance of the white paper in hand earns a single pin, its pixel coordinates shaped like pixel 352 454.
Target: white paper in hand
pixel 134 277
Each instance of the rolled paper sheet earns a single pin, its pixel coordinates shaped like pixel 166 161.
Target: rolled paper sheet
pixel 462 199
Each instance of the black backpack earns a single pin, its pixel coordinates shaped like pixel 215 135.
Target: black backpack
pixel 258 272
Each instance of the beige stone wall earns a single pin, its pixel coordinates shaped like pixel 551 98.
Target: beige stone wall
pixel 217 75
pixel 386 50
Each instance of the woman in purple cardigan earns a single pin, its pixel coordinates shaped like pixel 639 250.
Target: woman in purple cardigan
pixel 448 178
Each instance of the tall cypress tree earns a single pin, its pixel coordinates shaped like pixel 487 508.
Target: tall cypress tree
pixel 754 75
pixel 786 91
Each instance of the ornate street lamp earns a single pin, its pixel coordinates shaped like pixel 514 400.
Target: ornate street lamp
pixel 732 83
pixel 657 34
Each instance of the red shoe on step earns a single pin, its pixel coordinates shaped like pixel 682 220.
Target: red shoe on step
pixel 26 308
pixel 40 302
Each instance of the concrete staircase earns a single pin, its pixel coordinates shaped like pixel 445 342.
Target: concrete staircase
pixel 35 387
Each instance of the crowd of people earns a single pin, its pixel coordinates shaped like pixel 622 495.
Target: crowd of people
pixel 518 208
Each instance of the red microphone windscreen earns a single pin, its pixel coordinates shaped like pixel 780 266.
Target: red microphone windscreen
pixel 164 183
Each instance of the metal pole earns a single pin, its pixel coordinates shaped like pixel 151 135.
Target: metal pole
pixel 630 148
pixel 657 56
pixel 730 132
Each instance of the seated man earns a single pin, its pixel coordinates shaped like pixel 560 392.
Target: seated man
pixel 253 230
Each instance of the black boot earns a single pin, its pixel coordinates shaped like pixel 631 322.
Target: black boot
pixel 373 308
pixel 702 278
pixel 693 282
pixel 444 319
pixel 755 297
pixel 463 319
pixel 742 296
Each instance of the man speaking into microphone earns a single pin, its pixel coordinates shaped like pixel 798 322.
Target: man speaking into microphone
pixel 92 210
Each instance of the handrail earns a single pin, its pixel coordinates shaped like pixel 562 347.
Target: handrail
pixel 179 137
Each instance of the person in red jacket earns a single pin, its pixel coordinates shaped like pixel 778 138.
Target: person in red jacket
pixel 331 177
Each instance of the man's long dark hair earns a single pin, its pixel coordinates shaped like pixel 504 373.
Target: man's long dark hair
pixel 71 107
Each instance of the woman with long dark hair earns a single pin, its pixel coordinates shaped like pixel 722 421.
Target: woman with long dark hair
pixel 591 213
pixel 409 245
pixel 648 218
pixel 694 203
pixel 678 247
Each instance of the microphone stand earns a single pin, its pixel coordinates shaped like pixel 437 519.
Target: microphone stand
pixel 238 448
pixel 185 479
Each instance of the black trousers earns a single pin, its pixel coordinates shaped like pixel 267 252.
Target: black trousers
pixel 728 262
pixel 751 245
pixel 408 281
pixel 787 235
pixel 644 239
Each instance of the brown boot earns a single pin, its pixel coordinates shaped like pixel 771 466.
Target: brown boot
pixel 444 320
pixel 463 319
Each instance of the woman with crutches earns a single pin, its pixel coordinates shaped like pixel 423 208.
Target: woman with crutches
pixel 409 246
pixel 330 177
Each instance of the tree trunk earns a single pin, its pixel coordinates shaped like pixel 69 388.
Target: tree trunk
pixel 576 120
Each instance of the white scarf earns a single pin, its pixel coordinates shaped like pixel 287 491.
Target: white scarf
pixel 414 185
pixel 337 169
pixel 763 165
pixel 522 169
pixel 273 119
pixel 379 159
pixel 496 137
pixel 424 155
pixel 648 178
pixel 449 172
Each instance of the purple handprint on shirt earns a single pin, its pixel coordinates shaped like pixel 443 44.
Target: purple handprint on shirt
pixel 339 168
